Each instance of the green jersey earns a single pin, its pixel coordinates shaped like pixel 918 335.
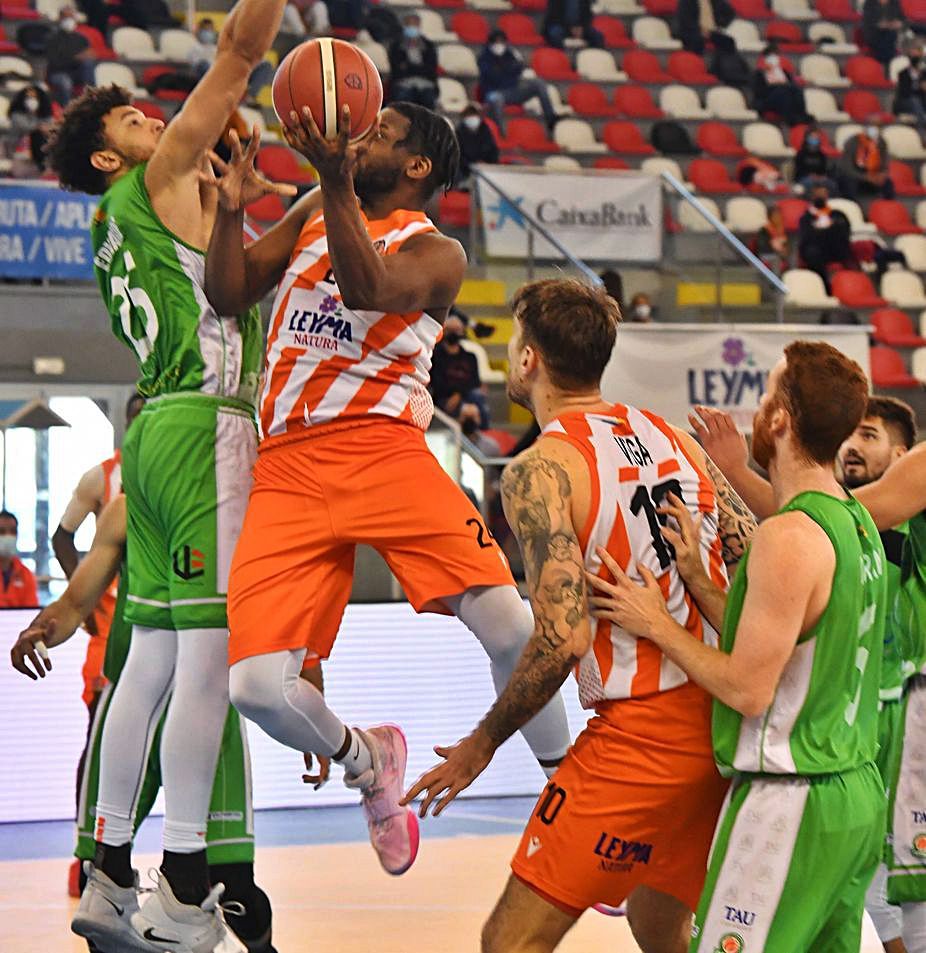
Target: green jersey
pixel 824 716
pixel 152 284
pixel 896 668
pixel 909 611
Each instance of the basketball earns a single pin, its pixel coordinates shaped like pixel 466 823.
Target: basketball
pixel 324 75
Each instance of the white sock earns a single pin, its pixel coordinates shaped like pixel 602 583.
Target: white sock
pixel 914 927
pixel 131 722
pixel 358 758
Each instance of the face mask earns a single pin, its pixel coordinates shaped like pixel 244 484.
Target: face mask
pixel 819 203
pixel 871 132
pixel 915 60
pixel 7 546
pixel 412 32
pixel 69 24
pixel 813 141
pixel 498 49
pixel 31 103
pixel 472 122
pixel 772 60
pixel 207 37
pixel 453 337
pixel 642 311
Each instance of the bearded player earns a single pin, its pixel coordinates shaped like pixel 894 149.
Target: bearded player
pixel 365 283
pixel 185 470
pixel 631 810
pixel 795 680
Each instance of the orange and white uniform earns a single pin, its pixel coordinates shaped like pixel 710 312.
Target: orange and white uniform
pixel 636 799
pixel 343 461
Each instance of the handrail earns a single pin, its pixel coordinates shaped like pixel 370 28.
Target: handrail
pixel 588 272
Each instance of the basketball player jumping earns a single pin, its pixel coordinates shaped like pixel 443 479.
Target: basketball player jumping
pixel 631 811
pixel 230 828
pixel 898 496
pixel 185 468
pixel 364 285
pixel 795 679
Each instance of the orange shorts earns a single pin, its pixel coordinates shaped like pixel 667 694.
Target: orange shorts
pixel 92 671
pixel 634 803
pixel 314 500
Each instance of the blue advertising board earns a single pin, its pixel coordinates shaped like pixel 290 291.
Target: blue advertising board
pixel 45 232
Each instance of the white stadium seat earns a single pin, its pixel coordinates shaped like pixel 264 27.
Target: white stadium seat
pixel 452 94
pixel 747 37
pixel 681 102
pixel 844 133
pixel 745 213
pixel 653 34
pixel 692 220
pixel 176 44
pixel 918 364
pixel 598 65
pixel 727 102
pixel 853 211
pixel 822 105
pixel 764 139
pixel 806 290
pixel 432 26
pixel 576 135
pixel 834 34
pixel 818 69
pixel 134 44
pixel 562 164
pixel 904 289
pixel 914 249
pixel 118 73
pixel 794 10
pixel 458 60
pixel 903 142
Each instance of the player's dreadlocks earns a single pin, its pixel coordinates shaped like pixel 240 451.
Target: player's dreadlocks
pixel 430 134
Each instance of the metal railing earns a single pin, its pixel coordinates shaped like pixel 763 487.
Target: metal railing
pixel 533 227
pixel 767 275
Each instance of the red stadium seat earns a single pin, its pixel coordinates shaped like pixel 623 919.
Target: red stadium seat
pixel 520 29
pixel 842 11
pixel 855 290
pixel 862 104
pixel 888 369
pixel 454 209
pixel 892 326
pixel 643 67
pixel 661 8
pixel 589 99
pixel 553 64
pixel 614 32
pixel 530 6
pixel 915 10
pixel 690 70
pixel 530 135
pixel 610 162
pixel 267 209
pixel 18 11
pixel 506 441
pixel 471 27
pixel 150 109
pixel 7 45
pixel 446 4
pixel 97 42
pixel 151 73
pixel 718 139
pixel 626 138
pixel 791 212
pixel 904 179
pixel 866 71
pixel 711 176
pixel 281 164
pixel 752 10
pixel 636 102
pixel 892 218
pixel 788 36
pixel 796 137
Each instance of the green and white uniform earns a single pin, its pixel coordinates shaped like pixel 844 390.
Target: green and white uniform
pixel 803 828
pixel 230 827
pixel 906 848
pixel 187 460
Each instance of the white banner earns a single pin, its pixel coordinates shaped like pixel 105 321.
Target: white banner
pixel 669 368
pixel 597 216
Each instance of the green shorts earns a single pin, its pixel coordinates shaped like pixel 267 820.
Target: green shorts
pixel 186 473
pixel 230 828
pixel 906 842
pixel 791 861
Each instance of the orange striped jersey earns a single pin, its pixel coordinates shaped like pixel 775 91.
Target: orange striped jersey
pixel 326 362
pixel 112 478
pixel 635 460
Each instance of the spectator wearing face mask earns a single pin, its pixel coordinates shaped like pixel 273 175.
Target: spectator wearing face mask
pixel 202 55
pixel 31 113
pixel 570 18
pixel 911 88
pixel 306 19
pixel 864 164
pixel 824 236
pixel 70 58
pixel 641 308
pixel 477 143
pixel 455 382
pixel 17 582
pixel 882 21
pixel 811 166
pixel 413 65
pixel 775 90
pixel 502 84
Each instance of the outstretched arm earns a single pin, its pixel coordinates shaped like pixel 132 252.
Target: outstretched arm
pixel 537 491
pixel 57 622
pixel 900 494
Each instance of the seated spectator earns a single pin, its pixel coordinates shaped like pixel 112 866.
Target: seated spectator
pixel 306 19
pixel 348 14
pixel 70 58
pixel 31 114
pixel 823 235
pixel 698 19
pixel 17 582
pixel 775 90
pixel 502 84
pixel 811 166
pixel 911 87
pixel 413 65
pixel 455 382
pixel 477 143
pixel 755 171
pixel 143 14
pixel 570 18
pixel 641 308
pixel 772 244
pixel 202 55
pixel 614 286
pixel 864 163
pixel 882 21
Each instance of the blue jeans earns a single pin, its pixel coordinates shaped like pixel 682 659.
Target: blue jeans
pixel 477 398
pixel 515 95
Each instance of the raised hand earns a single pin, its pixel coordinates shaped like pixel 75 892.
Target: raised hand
pixel 241 182
pixel 31 645
pixel 333 159
pixel 722 442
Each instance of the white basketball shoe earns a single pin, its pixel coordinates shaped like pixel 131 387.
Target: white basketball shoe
pixel 104 915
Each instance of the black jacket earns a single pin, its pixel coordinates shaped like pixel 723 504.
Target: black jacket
pixel 689 21
pixel 873 12
pixel 810 162
pixel 556 14
pixel 910 85
pixel 478 146
pixel 402 67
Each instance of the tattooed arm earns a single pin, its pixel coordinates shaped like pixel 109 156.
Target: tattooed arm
pixel 737 524
pixel 537 493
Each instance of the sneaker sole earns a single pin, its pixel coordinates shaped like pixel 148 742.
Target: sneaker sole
pixel 97 934
pixel 411 819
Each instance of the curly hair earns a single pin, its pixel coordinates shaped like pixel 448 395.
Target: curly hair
pixel 79 133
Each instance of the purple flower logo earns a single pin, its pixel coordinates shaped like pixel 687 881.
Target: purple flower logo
pixel 328 304
pixel 734 351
